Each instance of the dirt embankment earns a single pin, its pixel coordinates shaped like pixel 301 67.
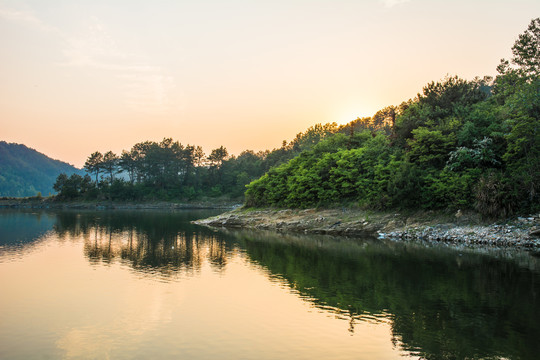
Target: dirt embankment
pixel 467 229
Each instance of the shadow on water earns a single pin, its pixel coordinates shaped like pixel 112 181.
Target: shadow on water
pixel 441 303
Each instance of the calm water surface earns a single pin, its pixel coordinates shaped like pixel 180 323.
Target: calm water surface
pixel 141 285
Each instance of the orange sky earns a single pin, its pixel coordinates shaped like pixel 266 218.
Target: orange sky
pixel 87 75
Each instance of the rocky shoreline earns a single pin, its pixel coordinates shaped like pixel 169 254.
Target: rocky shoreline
pixel 463 229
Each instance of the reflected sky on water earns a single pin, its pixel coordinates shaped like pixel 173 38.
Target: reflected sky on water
pixel 152 285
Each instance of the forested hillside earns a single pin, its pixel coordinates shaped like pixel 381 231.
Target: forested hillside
pixel 458 144
pixel 27 172
pixel 168 170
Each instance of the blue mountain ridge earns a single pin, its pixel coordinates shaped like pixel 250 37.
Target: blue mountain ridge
pixel 27 172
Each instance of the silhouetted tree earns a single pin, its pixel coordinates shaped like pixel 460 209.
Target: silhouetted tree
pixel 110 164
pixel 526 50
pixel 217 156
pixel 94 164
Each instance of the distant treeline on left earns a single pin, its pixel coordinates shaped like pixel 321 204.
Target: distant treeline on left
pixel 169 170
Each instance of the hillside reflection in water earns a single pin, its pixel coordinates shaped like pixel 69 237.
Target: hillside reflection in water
pixel 437 302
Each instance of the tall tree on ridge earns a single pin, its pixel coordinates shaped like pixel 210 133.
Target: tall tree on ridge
pixel 110 164
pixel 94 164
pixel 128 163
pixel 217 156
pixel 526 50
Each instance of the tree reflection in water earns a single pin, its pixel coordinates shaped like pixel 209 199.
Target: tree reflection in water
pixel 158 242
pixel 440 303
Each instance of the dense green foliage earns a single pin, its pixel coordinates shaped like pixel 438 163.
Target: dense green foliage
pixel 26 172
pixel 458 144
pixel 168 170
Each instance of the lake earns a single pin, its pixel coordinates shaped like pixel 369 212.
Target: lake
pixel 151 285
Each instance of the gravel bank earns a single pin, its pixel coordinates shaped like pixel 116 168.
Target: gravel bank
pixel 464 229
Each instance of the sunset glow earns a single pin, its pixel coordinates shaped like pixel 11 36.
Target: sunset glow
pixel 84 76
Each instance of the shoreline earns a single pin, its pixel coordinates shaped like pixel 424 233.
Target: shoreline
pixel 464 229
pixel 431 227
pixel 45 203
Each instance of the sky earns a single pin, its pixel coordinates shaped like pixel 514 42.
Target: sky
pixel 78 76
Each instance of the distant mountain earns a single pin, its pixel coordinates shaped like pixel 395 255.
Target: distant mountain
pixel 25 171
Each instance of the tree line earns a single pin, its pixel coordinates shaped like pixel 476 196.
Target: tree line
pixel 169 170
pixel 458 144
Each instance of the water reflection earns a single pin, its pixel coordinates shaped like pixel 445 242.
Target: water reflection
pixel 439 303
pixel 442 303
pixel 161 242
pixel 18 229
